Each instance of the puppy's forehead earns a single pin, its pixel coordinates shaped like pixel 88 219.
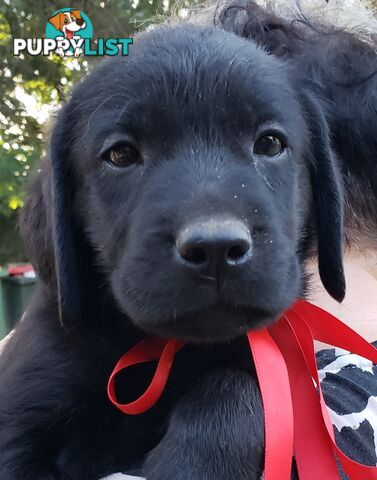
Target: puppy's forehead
pixel 187 74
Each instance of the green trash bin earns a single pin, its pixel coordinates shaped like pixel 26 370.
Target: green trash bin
pixel 3 325
pixel 17 291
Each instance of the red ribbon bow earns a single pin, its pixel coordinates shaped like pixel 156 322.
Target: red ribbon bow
pixel 296 418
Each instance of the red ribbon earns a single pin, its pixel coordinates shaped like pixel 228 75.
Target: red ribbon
pixel 296 418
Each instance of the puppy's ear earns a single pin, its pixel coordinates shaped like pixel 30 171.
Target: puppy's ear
pixel 327 200
pixel 53 234
pixel 57 20
pixel 70 248
pixel 76 13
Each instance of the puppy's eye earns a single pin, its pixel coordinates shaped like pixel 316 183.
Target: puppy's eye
pixel 66 20
pixel 123 155
pixel 269 145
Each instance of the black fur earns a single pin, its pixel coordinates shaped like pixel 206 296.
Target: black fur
pixel 103 242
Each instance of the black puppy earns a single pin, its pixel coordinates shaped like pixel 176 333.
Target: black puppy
pixel 183 189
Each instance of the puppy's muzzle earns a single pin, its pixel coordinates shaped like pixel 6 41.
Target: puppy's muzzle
pixel 212 246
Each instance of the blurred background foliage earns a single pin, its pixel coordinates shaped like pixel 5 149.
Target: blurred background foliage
pixel 32 88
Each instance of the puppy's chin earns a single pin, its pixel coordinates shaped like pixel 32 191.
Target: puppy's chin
pixel 218 323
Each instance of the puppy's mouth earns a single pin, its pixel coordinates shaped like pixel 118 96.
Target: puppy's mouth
pixel 69 34
pixel 74 28
pixel 217 323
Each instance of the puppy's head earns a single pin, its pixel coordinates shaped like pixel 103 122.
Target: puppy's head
pixel 68 22
pixel 193 172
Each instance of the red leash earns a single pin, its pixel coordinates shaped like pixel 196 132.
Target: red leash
pixel 296 417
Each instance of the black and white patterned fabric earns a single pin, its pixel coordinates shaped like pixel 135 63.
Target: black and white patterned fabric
pixel 349 385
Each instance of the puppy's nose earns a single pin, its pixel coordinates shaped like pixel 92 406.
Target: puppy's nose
pixel 80 21
pixel 210 245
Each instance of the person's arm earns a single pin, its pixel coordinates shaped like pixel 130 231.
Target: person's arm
pixel 359 308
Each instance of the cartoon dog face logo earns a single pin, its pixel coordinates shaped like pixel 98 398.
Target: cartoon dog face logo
pixel 68 22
